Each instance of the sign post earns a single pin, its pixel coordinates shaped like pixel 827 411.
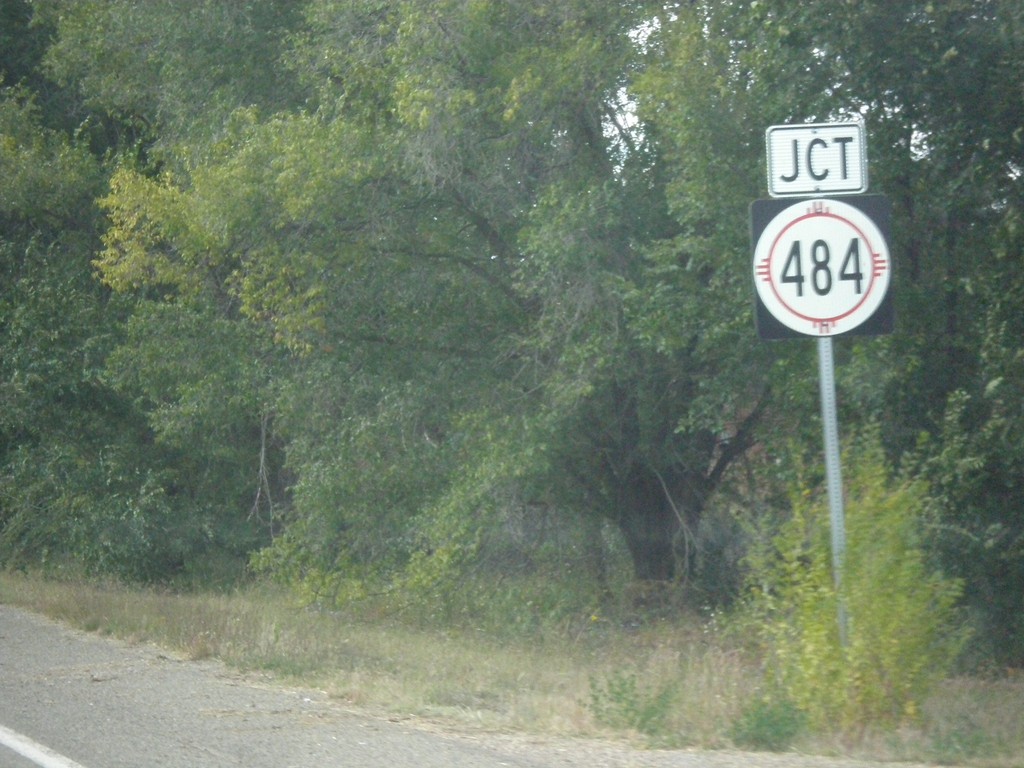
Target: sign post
pixel 833 473
pixel 822 268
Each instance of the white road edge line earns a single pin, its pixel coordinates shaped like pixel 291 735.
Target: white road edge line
pixel 37 753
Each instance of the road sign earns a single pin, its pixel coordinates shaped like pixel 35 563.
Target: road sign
pixel 822 266
pixel 817 159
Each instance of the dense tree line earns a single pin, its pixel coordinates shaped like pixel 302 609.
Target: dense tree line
pixel 343 284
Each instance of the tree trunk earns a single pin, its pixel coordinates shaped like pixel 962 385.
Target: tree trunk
pixel 651 514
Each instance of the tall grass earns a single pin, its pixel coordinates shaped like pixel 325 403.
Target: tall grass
pixel 667 683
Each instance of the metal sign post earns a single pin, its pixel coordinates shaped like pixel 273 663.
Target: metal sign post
pixel 833 473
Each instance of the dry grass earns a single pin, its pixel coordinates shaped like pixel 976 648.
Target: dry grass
pixel 665 684
pixel 390 666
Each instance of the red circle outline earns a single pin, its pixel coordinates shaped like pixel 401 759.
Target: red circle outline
pixel 771 279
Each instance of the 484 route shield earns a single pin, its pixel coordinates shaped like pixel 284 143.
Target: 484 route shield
pixel 822 266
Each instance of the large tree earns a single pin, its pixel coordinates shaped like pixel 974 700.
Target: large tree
pixel 123 449
pixel 468 231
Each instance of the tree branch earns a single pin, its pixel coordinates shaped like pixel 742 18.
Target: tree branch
pixel 739 443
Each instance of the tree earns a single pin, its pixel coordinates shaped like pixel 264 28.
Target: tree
pixel 22 46
pixel 56 326
pixel 167 73
pixel 98 467
pixel 470 198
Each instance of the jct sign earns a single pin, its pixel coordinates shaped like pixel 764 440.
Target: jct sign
pixel 817 159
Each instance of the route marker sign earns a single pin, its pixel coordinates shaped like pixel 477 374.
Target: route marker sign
pixel 822 266
pixel 817 159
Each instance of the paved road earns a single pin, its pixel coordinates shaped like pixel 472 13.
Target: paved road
pixel 105 704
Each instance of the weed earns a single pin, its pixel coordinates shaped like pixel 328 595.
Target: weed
pixel 959 742
pixel 903 630
pixel 621 702
pixel 768 724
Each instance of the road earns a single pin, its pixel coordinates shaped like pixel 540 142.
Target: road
pixel 105 704
pixel 100 703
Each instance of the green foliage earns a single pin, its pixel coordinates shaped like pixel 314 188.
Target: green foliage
pixel 404 266
pixel 946 145
pixel 768 724
pixel 973 468
pixel 58 419
pixel 72 508
pixel 351 236
pixel 620 701
pixel 82 482
pixel 49 181
pixel 201 384
pixel 903 631
pixel 962 742
pixel 144 64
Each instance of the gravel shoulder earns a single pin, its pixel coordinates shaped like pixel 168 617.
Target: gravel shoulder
pixel 106 704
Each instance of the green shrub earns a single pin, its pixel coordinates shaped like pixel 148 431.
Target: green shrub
pixel 620 701
pixel 903 635
pixel 768 724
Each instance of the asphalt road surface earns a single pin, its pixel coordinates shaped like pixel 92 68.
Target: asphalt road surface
pixel 74 700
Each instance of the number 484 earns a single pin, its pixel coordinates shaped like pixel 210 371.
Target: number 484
pixel 820 266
